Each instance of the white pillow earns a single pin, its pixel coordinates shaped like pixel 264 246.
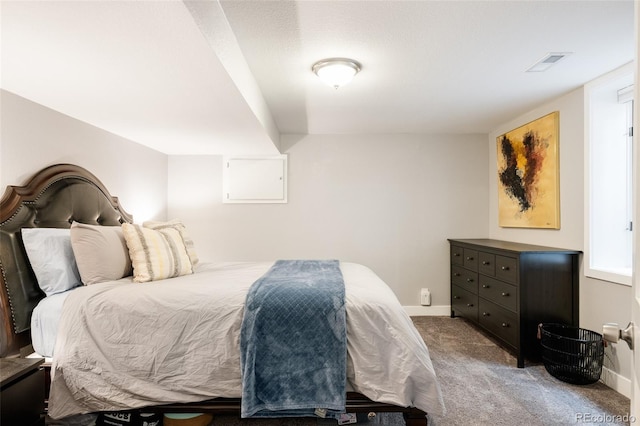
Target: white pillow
pixel 51 257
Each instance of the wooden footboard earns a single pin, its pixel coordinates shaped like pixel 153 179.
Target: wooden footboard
pixel 356 403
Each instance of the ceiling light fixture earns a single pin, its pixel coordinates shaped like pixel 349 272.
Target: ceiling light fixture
pixel 336 72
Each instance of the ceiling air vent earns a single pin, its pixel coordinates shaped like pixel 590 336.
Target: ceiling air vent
pixel 549 60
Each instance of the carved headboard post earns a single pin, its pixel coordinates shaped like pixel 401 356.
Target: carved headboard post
pixel 53 198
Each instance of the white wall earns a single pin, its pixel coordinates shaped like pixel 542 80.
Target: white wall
pixel 33 137
pixel 600 301
pixel 387 201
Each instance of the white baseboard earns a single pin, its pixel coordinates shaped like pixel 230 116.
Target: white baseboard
pixel 428 311
pixel 616 382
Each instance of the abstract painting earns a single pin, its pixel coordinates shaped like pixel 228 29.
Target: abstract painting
pixel 528 175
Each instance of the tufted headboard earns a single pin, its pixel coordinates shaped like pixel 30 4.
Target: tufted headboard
pixel 53 198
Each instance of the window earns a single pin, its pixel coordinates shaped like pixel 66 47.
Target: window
pixel 608 173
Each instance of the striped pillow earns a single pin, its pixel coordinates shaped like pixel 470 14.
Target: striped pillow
pixel 156 254
pixel 177 224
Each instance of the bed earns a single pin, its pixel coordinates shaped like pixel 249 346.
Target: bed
pixel 388 368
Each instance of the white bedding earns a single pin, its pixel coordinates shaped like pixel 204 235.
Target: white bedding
pixel 45 319
pixel 44 323
pixel 123 345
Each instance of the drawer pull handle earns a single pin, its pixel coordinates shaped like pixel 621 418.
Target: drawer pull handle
pixel 456 254
pixel 505 294
pixel 469 280
pixel 456 297
pixel 486 314
pixel 505 268
pixel 470 305
pixel 484 262
pixel 486 286
pixel 505 324
pixel 469 257
pixel 456 274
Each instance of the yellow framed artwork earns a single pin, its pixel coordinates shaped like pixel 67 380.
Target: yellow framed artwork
pixel 528 175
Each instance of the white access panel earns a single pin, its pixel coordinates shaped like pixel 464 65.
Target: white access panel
pixel 255 179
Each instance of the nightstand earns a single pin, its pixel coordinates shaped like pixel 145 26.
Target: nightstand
pixel 21 391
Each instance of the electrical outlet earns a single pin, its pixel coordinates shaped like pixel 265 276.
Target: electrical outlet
pixel 425 297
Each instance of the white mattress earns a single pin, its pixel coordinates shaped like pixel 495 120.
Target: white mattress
pixel 125 345
pixel 44 323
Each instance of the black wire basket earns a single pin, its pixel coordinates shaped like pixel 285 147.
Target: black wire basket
pixel 572 354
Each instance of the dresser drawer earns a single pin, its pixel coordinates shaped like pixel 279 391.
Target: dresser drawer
pixel 487 263
pixel 464 303
pixel 500 293
pixel 471 259
pixel 499 321
pixel 464 278
pixel 507 269
pixel 456 255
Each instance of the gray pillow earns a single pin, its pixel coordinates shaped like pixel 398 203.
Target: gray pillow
pixel 101 252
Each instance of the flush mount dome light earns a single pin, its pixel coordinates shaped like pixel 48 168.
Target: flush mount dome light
pixel 336 72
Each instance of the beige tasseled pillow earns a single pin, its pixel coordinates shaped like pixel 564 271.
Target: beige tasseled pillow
pixel 156 254
pixel 177 224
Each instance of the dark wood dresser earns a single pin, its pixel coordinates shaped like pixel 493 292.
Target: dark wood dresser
pixel 508 288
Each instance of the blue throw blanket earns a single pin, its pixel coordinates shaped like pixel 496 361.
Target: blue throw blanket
pixel 293 342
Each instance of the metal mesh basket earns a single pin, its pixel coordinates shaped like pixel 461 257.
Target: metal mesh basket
pixel 572 354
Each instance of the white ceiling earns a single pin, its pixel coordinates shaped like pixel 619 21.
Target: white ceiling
pixel 208 77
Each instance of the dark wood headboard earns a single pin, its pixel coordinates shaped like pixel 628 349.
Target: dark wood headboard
pixel 53 198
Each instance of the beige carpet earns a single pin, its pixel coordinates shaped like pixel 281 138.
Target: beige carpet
pixel 482 386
